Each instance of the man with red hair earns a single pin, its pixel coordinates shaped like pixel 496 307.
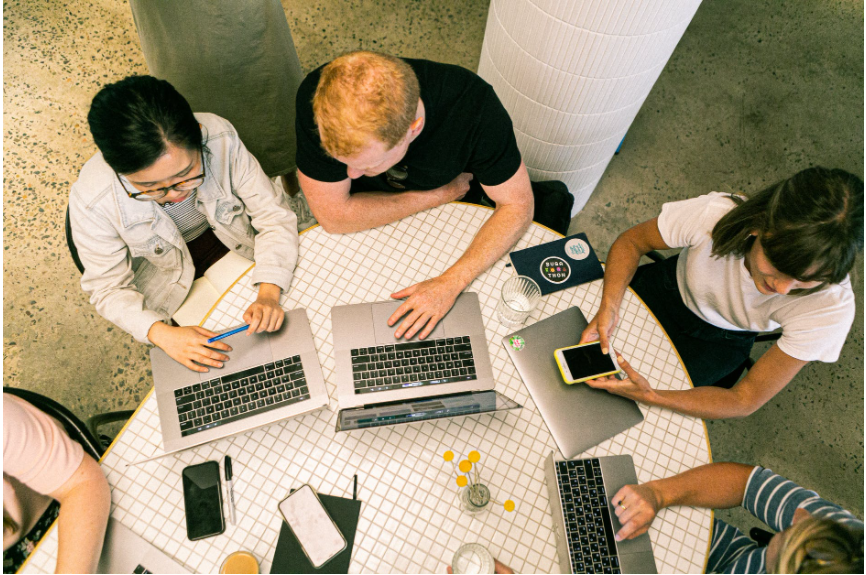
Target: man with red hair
pixel 381 138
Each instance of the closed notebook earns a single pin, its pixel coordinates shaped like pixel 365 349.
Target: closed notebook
pixel 559 264
pixel 290 558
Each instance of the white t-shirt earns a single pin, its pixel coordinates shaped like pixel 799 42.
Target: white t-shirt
pixel 721 290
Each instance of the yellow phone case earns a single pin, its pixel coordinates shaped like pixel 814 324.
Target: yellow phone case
pixel 581 380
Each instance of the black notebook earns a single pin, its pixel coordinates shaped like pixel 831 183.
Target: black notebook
pixel 290 558
pixel 559 264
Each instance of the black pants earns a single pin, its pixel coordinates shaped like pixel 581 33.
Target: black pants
pixel 708 352
pixel 206 250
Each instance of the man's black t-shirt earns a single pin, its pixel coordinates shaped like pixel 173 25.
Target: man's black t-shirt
pixel 466 129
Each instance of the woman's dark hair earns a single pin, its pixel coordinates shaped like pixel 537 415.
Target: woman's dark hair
pixel 132 121
pixel 810 225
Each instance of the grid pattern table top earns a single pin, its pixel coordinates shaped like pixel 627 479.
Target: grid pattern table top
pixel 410 520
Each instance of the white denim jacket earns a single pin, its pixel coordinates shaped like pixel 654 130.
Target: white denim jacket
pixel 137 268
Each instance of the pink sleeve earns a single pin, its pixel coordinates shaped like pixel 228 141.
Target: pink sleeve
pixel 36 450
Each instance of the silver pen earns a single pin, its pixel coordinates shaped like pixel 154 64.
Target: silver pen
pixel 230 488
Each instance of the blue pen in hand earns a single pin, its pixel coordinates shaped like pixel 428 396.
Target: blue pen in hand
pixel 228 333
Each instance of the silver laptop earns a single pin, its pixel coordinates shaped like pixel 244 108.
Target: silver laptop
pixel 585 520
pixel 578 416
pixel 126 552
pixel 437 407
pixel 269 377
pixel 373 368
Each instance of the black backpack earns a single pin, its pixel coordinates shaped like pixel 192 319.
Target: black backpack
pixel 553 203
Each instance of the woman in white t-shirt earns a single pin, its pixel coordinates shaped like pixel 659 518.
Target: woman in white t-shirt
pixel 777 259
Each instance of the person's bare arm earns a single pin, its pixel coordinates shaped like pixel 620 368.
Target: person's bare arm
pixel 622 262
pixel 428 302
pixel 772 372
pixel 340 212
pixel 85 501
pixel 714 486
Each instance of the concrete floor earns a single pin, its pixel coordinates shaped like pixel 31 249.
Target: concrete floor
pixel 756 90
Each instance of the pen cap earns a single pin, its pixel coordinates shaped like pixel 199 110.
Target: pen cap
pixel 228 468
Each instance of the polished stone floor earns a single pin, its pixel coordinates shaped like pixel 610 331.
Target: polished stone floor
pixel 755 91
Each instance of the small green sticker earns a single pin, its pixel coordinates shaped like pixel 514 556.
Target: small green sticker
pixel 517 343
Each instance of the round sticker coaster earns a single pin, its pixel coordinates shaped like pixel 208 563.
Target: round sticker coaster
pixel 517 343
pixel 555 270
pixel 577 249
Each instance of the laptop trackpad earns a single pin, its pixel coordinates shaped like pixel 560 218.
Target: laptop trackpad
pixel 247 351
pixel 385 333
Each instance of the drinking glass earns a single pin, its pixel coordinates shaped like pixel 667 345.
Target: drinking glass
pixel 240 562
pixel 520 295
pixel 472 558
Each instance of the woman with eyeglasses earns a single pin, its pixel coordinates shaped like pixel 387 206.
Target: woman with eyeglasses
pixel 169 194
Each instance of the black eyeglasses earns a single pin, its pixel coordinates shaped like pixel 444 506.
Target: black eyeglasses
pixel 396 175
pixel 152 195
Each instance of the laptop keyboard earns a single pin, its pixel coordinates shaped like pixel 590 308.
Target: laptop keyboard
pixel 588 529
pixel 250 392
pixel 412 364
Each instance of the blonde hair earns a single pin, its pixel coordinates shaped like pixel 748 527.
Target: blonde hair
pixel 816 545
pixel 363 95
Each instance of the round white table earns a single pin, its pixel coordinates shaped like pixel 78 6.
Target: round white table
pixel 410 520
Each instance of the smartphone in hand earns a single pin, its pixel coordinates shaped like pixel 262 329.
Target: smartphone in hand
pixel 585 361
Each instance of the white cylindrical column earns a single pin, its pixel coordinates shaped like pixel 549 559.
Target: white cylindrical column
pixel 573 75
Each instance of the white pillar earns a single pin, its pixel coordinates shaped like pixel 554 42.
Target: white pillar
pixel 573 75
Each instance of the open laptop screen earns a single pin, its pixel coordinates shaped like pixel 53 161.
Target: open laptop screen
pixel 437 407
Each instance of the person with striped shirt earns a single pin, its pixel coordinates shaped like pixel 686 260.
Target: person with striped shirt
pixel 169 194
pixel 813 535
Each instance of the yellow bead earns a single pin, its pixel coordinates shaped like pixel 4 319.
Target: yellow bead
pixel 474 456
pixel 448 456
pixel 461 481
pixel 509 506
pixel 465 466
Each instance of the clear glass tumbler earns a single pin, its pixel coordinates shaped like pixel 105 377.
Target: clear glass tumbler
pixel 472 558
pixel 520 295
pixel 475 498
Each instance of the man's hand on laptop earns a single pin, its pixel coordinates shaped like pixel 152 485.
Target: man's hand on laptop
pixel 426 303
pixel 188 345
pixel 636 507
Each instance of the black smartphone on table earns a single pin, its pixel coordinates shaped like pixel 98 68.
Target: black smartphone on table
pixel 203 500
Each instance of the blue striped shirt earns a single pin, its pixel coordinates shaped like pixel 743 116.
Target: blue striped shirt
pixel 772 499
